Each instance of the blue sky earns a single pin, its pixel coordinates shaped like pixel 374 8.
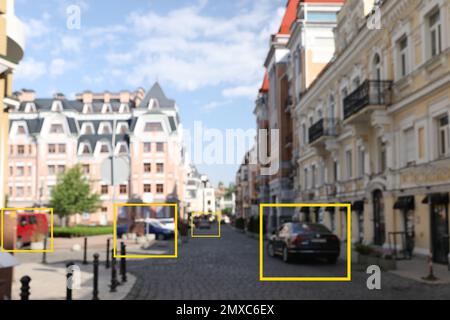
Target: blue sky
pixel 207 55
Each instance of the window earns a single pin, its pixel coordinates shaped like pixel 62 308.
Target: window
pixel 443 136
pixel 159 147
pixel 435 32
pixel 410 146
pixel 88 128
pixel 106 108
pixel 147 167
pixel 51 170
pixel 21 130
pixel 382 156
pixel 147 147
pixel 105 128
pixel 56 128
pixel 305 178
pixel 159 188
pixel 377 67
pixel 335 171
pixel 61 169
pixel 349 164
pixel 123 189
pixel 104 209
pixel 30 149
pixel 304 135
pixel 20 171
pixel 147 188
pixel 314 176
pixel 11 171
pixel 123 149
pixel 321 16
pixel 61 148
pixel 402 61
pixel 86 149
pixel 19 192
pixel 52 148
pixel 160 167
pixel 362 162
pixel 104 189
pixel 86 169
pixel 153 127
pixel 21 150
pixel 104 148
pixel 87 108
pixel 123 128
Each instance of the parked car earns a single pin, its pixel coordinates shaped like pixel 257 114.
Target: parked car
pixel 225 220
pixel 121 230
pixel 31 225
pixel 204 224
pixel 304 239
pixel 168 223
pixel 162 232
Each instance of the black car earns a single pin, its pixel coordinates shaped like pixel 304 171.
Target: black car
pixel 304 240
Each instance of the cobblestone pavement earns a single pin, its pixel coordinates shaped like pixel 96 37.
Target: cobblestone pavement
pixel 228 268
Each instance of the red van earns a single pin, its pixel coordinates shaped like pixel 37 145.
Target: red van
pixel 30 225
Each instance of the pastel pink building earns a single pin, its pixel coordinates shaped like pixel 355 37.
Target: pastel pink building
pixel 47 136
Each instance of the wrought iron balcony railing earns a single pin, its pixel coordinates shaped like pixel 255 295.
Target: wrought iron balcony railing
pixel 370 93
pixel 326 127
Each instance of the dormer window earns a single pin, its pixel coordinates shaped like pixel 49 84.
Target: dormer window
pixel 30 107
pixel 122 128
pixel 107 108
pixel 122 148
pixel 105 128
pixel 87 108
pixel 56 128
pixel 124 108
pixel 84 149
pixel 153 104
pixel 153 127
pixel 87 128
pixel 21 129
pixel 57 106
pixel 104 148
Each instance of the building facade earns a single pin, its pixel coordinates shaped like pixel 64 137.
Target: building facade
pixel 379 137
pixel 48 136
pixel 200 195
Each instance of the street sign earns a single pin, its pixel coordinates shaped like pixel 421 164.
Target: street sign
pixel 121 170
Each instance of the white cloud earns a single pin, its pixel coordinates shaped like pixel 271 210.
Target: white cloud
pixel 70 43
pixel 60 66
pixel 211 106
pixel 30 70
pixel 241 92
pixel 36 28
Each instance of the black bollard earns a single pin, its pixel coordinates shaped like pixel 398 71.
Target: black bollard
pixel 114 281
pixel 44 254
pixel 107 253
pixel 95 291
pixel 85 251
pixel 123 262
pixel 25 288
pixel 69 280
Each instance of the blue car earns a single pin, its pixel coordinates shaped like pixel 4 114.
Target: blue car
pixel 121 230
pixel 159 230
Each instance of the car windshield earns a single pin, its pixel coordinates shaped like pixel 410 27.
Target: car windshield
pixel 309 228
pixel 156 224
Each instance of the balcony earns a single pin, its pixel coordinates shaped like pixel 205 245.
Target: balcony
pixel 15 31
pixel 322 129
pixel 371 95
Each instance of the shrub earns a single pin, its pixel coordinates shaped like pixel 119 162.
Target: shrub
pixel 81 231
pixel 364 250
pixel 239 223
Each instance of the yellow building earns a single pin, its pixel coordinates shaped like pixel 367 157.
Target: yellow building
pixel 377 126
pixel 12 40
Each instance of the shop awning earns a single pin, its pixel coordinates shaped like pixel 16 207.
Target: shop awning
pixel 405 203
pixel 358 206
pixel 436 198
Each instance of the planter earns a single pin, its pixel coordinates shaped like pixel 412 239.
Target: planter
pixel 37 245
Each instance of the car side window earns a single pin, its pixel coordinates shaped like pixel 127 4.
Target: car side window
pixel 23 221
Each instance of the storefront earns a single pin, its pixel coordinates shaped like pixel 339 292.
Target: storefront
pixel 358 210
pixel 405 233
pixel 438 206
pixel 379 219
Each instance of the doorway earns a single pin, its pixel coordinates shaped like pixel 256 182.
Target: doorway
pixel 379 221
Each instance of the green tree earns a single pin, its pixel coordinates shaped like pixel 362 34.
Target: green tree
pixel 73 195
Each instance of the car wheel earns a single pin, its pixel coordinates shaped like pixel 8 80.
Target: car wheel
pixel 286 255
pixel 332 260
pixel 271 250
pixel 160 237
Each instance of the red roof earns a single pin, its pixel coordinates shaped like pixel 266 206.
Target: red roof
pixel 265 84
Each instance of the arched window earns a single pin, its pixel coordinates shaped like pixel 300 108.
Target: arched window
pixel 87 108
pixel 105 128
pixel 376 67
pixel 87 128
pixel 107 108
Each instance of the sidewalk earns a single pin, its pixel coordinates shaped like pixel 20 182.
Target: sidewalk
pixel 49 280
pixel 417 269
